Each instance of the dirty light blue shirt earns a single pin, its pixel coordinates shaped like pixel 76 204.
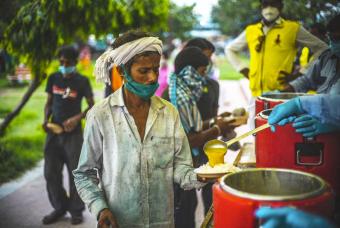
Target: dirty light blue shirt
pixel 134 179
pixel 325 107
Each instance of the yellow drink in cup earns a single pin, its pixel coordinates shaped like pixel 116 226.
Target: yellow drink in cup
pixel 215 152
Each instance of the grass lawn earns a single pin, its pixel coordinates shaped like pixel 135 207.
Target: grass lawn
pixel 227 72
pixel 22 145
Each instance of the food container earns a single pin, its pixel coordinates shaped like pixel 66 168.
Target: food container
pixel 287 149
pixel 270 100
pixel 237 196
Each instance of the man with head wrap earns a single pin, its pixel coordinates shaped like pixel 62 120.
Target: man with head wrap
pixel 134 146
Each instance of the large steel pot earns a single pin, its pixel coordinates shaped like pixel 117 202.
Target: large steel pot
pixel 238 195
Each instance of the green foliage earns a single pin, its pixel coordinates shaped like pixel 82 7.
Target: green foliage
pixel 41 26
pixel 233 15
pixel 181 20
pixel 22 146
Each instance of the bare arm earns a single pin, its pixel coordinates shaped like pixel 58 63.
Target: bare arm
pixel 73 121
pixel 47 110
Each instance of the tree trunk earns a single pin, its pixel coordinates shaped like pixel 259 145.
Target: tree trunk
pixel 10 116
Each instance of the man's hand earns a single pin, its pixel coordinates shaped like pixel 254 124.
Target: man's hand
pixel 225 124
pixel 284 77
pixel 44 126
pixel 224 114
pixel 245 72
pixel 106 219
pixel 71 123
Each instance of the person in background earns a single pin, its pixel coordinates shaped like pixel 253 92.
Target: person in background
pixel 288 217
pixel 208 108
pixel 272 44
pixel 311 115
pixel 323 76
pixel 185 90
pixel 135 146
pixel 164 71
pixel 65 91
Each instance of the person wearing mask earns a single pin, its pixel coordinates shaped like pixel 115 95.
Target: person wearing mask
pixel 208 108
pixel 65 91
pixel 135 146
pixel 185 90
pixel 272 44
pixel 323 76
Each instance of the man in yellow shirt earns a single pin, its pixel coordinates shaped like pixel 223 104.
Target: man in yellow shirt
pixel 272 44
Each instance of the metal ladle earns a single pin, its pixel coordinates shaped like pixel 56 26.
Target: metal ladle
pixel 216 143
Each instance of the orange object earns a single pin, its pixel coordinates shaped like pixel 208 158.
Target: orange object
pixel 116 79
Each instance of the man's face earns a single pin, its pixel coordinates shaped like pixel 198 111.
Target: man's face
pixel 145 69
pixel 202 70
pixel 63 61
pixel 270 10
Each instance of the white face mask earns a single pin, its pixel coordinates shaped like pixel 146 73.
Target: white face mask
pixel 270 13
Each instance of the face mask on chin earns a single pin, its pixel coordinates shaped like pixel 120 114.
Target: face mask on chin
pixel 270 14
pixel 141 90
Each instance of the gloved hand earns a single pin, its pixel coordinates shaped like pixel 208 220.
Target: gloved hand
pixel 288 217
pixel 285 110
pixel 309 126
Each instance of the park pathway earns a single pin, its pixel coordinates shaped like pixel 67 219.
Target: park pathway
pixel 23 202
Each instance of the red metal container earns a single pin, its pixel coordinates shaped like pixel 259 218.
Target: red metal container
pixel 285 148
pixel 238 195
pixel 269 100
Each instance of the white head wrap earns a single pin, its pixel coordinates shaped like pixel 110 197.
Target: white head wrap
pixel 123 54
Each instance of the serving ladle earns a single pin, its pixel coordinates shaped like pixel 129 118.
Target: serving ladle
pixel 215 149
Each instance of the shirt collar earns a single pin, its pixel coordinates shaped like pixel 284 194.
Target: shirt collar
pixel 278 22
pixel 116 99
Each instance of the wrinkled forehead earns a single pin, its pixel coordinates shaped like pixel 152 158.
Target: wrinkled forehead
pixel 147 58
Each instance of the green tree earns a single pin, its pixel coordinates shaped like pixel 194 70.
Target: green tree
pixel 41 26
pixel 233 15
pixel 181 21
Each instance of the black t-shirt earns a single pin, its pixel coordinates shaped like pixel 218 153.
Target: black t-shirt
pixel 67 95
pixel 208 103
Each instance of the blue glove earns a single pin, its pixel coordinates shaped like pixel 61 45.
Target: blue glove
pixel 309 126
pixel 288 217
pixel 284 111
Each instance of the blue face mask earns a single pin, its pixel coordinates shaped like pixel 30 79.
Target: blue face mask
pixel 335 47
pixel 141 90
pixel 67 70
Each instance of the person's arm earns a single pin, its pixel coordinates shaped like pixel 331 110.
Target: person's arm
pixel 71 123
pixel 90 163
pixel 183 167
pixel 325 107
pixel 232 50
pixel 305 82
pixel 306 39
pixel 47 111
pixel 49 101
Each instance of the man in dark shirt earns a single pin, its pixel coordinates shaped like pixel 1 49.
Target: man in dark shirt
pixel 65 90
